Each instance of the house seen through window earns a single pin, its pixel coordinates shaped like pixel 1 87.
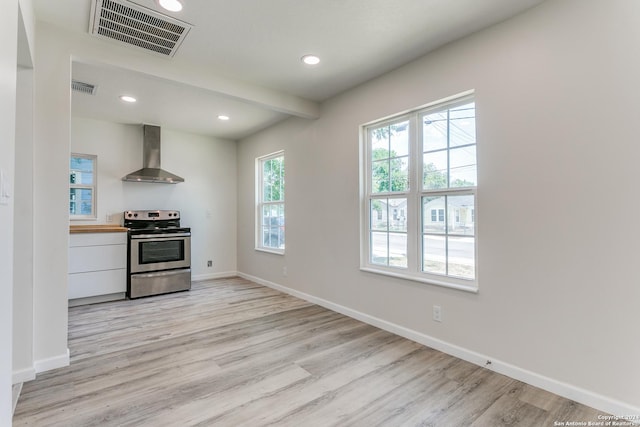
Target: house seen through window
pixel 420 176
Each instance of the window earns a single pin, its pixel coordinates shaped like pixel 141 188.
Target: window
pixel 270 202
pixel 420 180
pixel 82 186
pixel 437 215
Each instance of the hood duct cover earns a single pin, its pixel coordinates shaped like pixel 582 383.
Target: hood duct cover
pixel 129 23
pixel 151 171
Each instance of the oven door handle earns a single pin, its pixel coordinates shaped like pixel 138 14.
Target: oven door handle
pixel 159 236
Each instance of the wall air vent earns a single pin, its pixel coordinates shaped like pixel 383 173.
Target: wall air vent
pixel 138 26
pixel 83 87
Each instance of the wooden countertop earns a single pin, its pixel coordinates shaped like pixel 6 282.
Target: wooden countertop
pixel 98 228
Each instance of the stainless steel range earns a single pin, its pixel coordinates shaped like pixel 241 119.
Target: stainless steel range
pixel 159 253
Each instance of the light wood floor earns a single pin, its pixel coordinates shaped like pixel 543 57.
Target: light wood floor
pixel 234 353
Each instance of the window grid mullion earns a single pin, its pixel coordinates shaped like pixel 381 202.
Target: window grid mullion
pixel 446 234
pixel 414 221
pixel 388 229
pixel 389 185
pixel 448 148
pixel 446 197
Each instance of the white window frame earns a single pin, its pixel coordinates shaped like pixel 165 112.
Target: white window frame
pixel 260 203
pixel 414 195
pixel 93 187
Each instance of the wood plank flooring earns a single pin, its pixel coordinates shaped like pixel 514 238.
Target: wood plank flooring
pixel 233 353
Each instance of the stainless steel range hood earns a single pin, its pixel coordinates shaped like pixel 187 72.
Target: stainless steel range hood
pixel 151 171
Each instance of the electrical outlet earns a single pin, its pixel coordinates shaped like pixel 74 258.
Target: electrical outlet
pixel 109 218
pixel 284 270
pixel 210 263
pixel 437 313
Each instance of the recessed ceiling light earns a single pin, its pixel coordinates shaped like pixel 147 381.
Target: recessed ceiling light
pixel 127 98
pixel 310 60
pixel 171 5
pixel 223 117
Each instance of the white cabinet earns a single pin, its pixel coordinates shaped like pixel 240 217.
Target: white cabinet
pixel 97 267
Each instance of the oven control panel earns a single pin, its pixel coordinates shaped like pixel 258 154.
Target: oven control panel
pixel 151 215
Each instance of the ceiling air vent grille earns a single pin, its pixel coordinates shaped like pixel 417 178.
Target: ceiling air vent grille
pixel 82 87
pixel 137 26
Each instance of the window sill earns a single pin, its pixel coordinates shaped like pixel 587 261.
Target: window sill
pixel 270 251
pixel 461 287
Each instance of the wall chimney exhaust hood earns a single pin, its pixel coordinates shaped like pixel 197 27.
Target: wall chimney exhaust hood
pixel 151 171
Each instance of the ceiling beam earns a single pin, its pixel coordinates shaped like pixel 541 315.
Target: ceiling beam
pixel 88 49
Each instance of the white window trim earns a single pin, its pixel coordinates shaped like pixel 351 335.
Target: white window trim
pixel 93 187
pixel 414 196
pixel 258 204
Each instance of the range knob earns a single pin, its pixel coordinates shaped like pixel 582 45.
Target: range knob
pixel 129 214
pixel 135 215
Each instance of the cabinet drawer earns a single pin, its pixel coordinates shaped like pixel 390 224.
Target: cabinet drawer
pixel 83 285
pixel 96 239
pixel 94 258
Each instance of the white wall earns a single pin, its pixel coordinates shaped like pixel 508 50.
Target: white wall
pixel 50 208
pixel 557 140
pixel 28 22
pixel 22 306
pixel 8 64
pixel 206 200
pixel 23 228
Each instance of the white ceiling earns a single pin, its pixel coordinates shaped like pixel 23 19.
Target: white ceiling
pixel 260 42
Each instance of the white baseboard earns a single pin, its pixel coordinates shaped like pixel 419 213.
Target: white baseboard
pixel 55 362
pixel 97 299
pixel 221 275
pixel 580 395
pixel 16 389
pixel 29 374
pixel 23 375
